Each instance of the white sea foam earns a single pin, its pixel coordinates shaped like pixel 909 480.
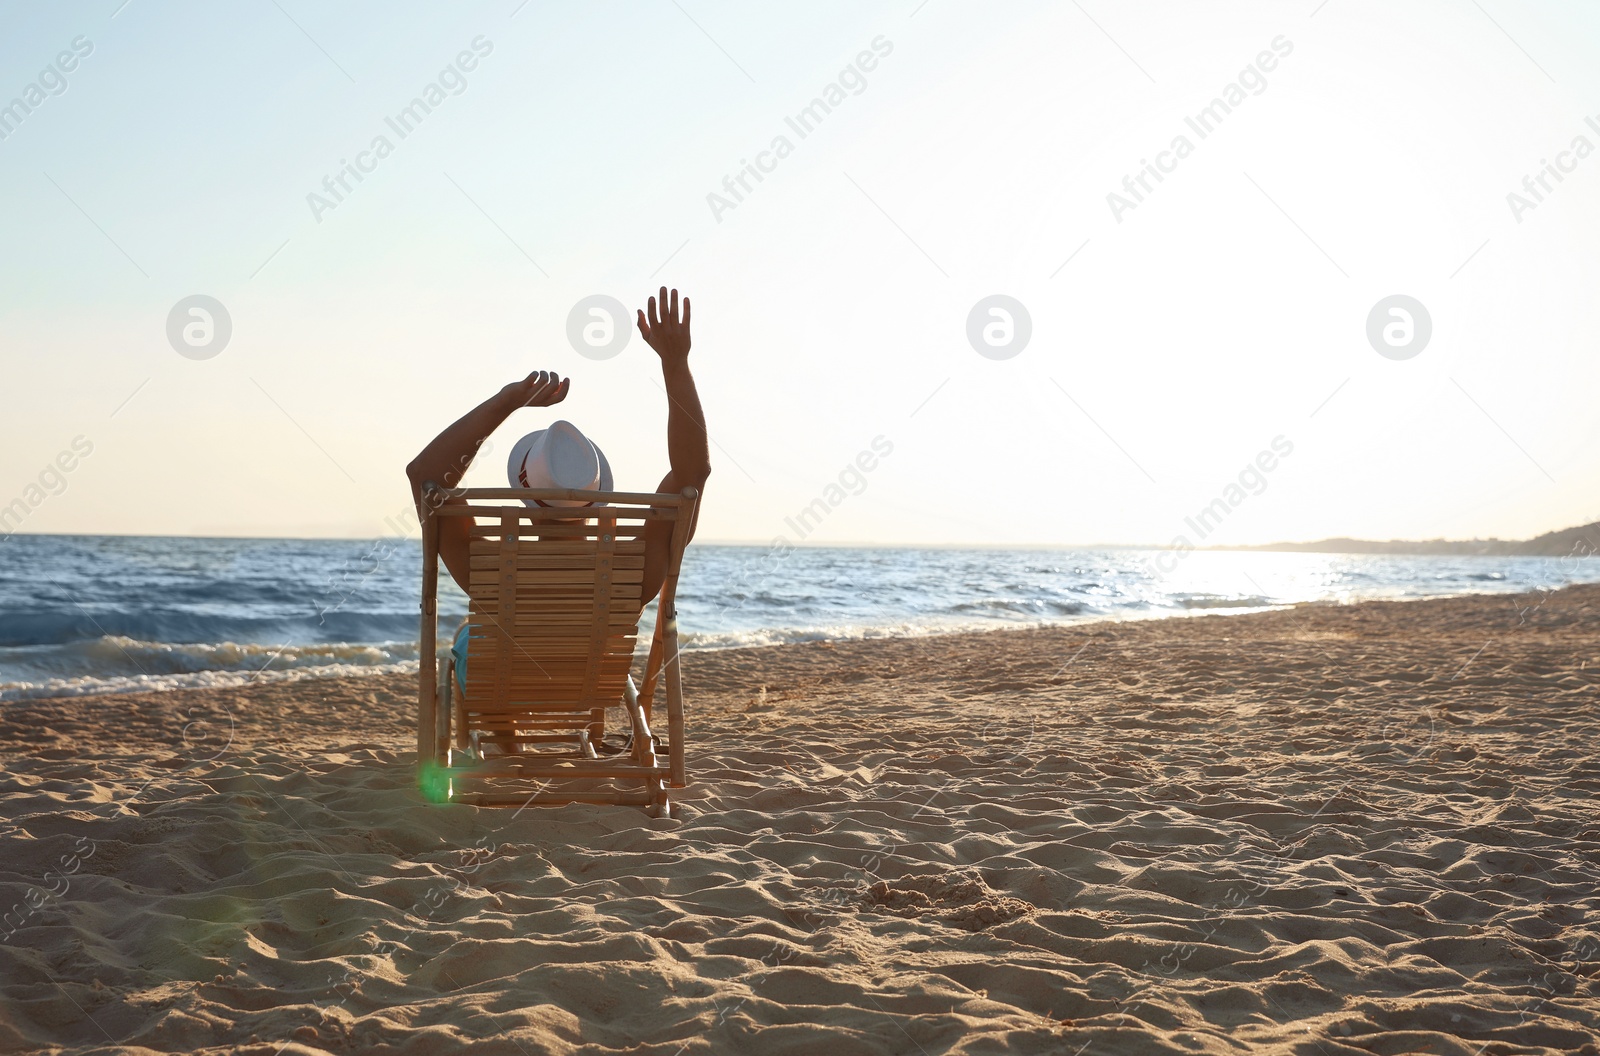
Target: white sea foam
pixel 118 664
pixel 87 685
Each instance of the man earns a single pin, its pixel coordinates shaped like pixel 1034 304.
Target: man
pixel 445 459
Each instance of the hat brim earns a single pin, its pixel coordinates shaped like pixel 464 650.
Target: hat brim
pixel 519 455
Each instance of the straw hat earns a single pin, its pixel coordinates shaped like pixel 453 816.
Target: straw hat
pixel 558 457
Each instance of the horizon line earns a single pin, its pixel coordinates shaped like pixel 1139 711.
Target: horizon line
pixel 840 544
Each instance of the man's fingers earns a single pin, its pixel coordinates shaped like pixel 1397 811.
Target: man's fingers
pixel 547 384
pixel 686 312
pixel 674 305
pixel 644 329
pixel 654 321
pixel 665 316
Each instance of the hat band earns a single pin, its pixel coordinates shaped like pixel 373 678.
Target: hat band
pixel 522 475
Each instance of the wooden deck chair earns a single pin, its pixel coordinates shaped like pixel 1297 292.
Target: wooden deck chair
pixel 554 614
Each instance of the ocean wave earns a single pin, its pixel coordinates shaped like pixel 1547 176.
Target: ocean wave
pixel 117 664
pixel 1020 606
pixel 1218 601
pixel 71 624
pixel 89 685
pixel 95 615
pixel 836 633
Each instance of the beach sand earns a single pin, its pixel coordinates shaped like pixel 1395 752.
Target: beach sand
pixel 1332 829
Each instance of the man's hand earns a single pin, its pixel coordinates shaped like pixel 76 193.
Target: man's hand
pixel 668 336
pixel 542 388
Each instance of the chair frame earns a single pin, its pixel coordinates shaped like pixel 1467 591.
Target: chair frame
pixel 442 705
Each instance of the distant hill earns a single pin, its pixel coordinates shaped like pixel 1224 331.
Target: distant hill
pixel 1569 542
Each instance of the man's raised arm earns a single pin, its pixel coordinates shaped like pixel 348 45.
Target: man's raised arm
pixel 688 448
pixel 447 457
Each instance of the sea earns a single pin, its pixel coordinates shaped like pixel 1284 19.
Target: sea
pixel 104 614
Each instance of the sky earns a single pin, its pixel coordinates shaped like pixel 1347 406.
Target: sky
pixel 1203 338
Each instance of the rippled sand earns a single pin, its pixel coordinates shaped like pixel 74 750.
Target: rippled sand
pixel 1328 830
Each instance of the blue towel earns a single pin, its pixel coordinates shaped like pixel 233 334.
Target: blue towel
pixel 458 652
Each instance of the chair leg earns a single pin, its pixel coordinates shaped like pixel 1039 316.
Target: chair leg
pixel 459 693
pixel 444 711
pixel 644 751
pixel 433 756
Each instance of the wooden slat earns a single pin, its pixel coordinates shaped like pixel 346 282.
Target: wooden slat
pixel 553 547
pixel 532 594
pixel 545 655
pixel 530 721
pixel 642 498
pixel 554 630
pixel 548 696
pixel 566 533
pixel 427 691
pixel 605 577
pixel 540 603
pixel 544 684
pixel 501 630
pixel 541 669
pixel 512 714
pixel 569 739
pixel 486 579
pixel 559 694
pixel 554 625
pixel 556 609
pixel 557 672
pixel 508 725
pixel 536 562
pixel 533 640
pixel 549 670
pixel 553 601
pixel 540 663
pixel 541 515
pixel 502 767
pixel 561 703
pixel 511 799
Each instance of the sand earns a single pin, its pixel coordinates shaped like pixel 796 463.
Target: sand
pixel 1333 829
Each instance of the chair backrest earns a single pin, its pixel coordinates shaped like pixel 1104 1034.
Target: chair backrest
pixel 554 600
